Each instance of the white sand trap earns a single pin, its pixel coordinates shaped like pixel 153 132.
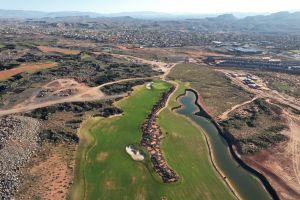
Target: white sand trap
pixel 149 85
pixel 135 154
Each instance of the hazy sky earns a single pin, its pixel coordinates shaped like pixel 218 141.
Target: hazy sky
pixel 192 6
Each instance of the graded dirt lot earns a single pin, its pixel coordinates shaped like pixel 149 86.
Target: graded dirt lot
pixel 56 90
pixel 26 67
pixel 46 49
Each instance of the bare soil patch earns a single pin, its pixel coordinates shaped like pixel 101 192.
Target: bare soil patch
pixel 133 180
pixel 281 164
pixel 56 181
pixel 50 175
pixel 46 49
pixel 26 67
pixel 109 185
pixel 102 156
pixel 288 84
pixel 140 195
pixel 53 91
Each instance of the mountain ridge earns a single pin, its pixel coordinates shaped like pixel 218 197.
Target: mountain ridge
pixel 25 14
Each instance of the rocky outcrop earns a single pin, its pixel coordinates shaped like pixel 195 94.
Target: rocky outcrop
pixel 18 142
pixel 151 140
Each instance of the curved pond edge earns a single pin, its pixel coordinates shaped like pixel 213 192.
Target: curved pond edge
pixel 211 155
pixel 199 103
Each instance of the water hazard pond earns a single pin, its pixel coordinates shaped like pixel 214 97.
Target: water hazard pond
pixel 245 183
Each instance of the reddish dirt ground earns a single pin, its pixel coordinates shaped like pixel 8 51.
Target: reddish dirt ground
pixel 281 164
pixel 55 87
pixel 90 94
pixel 55 179
pixel 50 176
pixel 27 67
pixel 46 49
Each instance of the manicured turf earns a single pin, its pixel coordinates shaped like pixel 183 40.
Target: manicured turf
pixel 106 171
pixel 186 151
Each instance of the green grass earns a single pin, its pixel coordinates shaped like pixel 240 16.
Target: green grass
pixel 186 151
pixel 119 177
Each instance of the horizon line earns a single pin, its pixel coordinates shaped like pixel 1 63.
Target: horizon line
pixel 149 11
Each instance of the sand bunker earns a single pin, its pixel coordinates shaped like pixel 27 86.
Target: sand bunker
pixel 135 154
pixel 149 85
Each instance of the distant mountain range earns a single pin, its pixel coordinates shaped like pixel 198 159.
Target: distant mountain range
pixel 248 22
pixel 277 22
pixel 22 14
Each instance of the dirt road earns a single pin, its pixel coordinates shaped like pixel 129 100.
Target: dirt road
pixel 271 94
pixel 157 65
pixel 224 115
pixel 281 163
pixel 94 93
pixel 91 94
pixel 294 144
